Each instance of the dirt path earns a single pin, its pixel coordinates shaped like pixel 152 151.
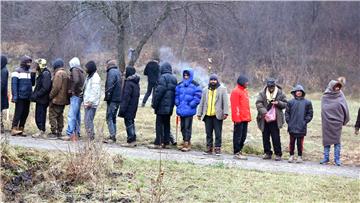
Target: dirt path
pixel 195 157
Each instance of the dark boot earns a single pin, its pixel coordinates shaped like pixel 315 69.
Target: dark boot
pixel 208 151
pixel 326 155
pixel 337 150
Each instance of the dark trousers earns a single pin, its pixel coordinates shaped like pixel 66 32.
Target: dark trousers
pixel 130 130
pixel 213 124
pixel 40 115
pixel 239 136
pixel 186 127
pixel 299 143
pixel 272 130
pixel 150 89
pixel 56 118
pixel 22 108
pixel 162 129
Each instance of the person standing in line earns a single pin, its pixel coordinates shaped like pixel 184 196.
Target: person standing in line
pixel 129 104
pixel 152 71
pixel 22 80
pixel 40 95
pixel 112 97
pixel 241 115
pixel 92 93
pixel 299 112
pixel 270 97
pixel 213 110
pixel 357 124
pixel 4 89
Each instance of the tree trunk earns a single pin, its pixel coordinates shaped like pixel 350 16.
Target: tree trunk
pixel 121 47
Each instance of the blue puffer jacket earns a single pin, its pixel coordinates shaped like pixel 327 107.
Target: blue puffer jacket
pixel 21 83
pixel 187 96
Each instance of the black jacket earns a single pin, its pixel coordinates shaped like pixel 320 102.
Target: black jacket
pixel 299 112
pixel 131 94
pixel 42 88
pixel 164 95
pixel 4 84
pixel 357 124
pixel 152 70
pixel 113 85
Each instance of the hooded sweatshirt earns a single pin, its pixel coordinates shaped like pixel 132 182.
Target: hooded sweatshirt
pixel 77 77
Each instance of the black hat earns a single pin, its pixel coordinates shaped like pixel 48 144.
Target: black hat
pixel 242 80
pixel 58 63
pixel 270 82
pixel 130 71
pixel 90 67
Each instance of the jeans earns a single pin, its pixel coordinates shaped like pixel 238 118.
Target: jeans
pixel 89 122
pixel 186 127
pixel 22 108
pixel 74 116
pixel 239 136
pixel 40 115
pixel 130 130
pixel 162 129
pixel 272 130
pixel 213 124
pixel 111 112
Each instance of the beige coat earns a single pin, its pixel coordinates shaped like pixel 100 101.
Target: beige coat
pixel 221 103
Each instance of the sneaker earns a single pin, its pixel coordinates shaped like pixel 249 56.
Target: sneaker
pixel 130 145
pixel 240 156
pixel 277 158
pixel 154 146
pixel 324 161
pixel 15 131
pixel 217 151
pixel 52 136
pixel 110 140
pixel 65 138
pixel 40 134
pixel 165 146
pixel 266 156
pixel 209 151
pixel 291 159
pixel 299 160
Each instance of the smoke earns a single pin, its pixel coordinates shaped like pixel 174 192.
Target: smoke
pixel 201 75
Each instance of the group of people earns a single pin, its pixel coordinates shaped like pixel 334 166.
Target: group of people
pixel 77 87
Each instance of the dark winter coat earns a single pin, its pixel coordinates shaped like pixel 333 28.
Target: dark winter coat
pixel 77 80
pixel 334 114
pixel 59 91
pixel 22 81
pixel 113 85
pixel 357 124
pixel 299 112
pixel 42 88
pixel 164 95
pixel 4 84
pixel 263 105
pixel 187 96
pixel 152 70
pixel 131 94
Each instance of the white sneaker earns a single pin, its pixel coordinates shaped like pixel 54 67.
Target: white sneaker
pixel 291 159
pixel 299 160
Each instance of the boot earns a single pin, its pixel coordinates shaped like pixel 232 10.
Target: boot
pixel 130 145
pixel 40 134
pixel 52 135
pixel 181 146
pixel 209 151
pixel 217 151
pixel 15 131
pixel 277 158
pixel 240 156
pixel 337 150
pixel 22 130
pixel 266 156
pixel 187 147
pixel 110 140
pixel 326 155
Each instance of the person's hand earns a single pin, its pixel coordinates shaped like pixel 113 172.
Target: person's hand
pixel 275 102
pixel 225 116
pixel 199 118
pixel 356 131
pixel 87 105
pixel 13 101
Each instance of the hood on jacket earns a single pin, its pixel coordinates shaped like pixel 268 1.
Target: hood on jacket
pixel 24 60
pixel 4 61
pixel 190 71
pixel 58 63
pixel 298 88
pixel 129 71
pixel 165 68
pixel 90 68
pixel 330 87
pixel 74 63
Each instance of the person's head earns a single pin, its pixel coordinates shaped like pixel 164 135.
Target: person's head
pixel 186 75
pixel 74 63
pixel 40 64
pixel 129 71
pixel 90 67
pixel 299 93
pixel 4 61
pixel 243 81
pixel 110 63
pixel 25 61
pixel 270 84
pixel 337 87
pixel 58 63
pixel 155 56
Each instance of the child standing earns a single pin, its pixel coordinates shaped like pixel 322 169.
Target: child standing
pixel 299 112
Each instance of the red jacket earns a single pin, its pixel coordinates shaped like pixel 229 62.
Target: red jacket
pixel 240 106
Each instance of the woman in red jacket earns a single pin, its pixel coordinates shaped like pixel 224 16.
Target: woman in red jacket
pixel 241 116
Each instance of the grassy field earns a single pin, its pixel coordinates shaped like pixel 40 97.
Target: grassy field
pixel 133 180
pixel 145 126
